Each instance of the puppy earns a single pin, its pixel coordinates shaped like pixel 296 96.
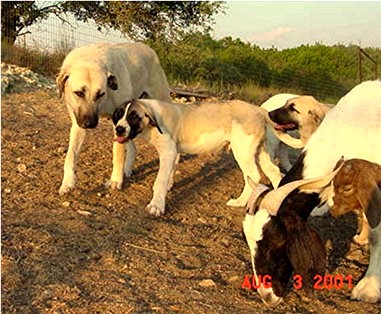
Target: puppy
pixel 358 186
pixel 303 113
pixel 194 129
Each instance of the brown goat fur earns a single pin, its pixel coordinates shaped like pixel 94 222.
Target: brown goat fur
pixel 357 186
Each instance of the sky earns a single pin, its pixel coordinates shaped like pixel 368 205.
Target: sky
pixel 290 24
pixel 279 24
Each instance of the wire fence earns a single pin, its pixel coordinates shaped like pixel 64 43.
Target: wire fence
pixel 54 36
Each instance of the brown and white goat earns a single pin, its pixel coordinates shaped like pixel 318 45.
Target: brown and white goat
pixel 357 185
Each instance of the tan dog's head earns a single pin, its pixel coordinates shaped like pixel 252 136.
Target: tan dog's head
pixel 298 113
pixel 131 119
pixel 84 88
pixel 357 186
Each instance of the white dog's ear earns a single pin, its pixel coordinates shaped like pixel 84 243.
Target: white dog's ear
pixel 60 82
pixel 112 81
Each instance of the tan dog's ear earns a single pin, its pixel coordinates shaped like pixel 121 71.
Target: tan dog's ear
pixel 316 116
pixel 60 82
pixel 112 81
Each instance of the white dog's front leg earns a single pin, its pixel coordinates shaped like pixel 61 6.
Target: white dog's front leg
pixel 118 157
pixel 168 156
pixel 77 136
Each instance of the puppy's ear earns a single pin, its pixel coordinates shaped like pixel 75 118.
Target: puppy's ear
pixel 305 250
pixel 112 81
pixel 152 120
pixel 60 82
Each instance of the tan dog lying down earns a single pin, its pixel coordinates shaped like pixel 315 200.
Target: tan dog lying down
pixel 194 129
pixel 358 186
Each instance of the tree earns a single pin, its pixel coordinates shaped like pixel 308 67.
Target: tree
pixel 137 20
pixel 16 16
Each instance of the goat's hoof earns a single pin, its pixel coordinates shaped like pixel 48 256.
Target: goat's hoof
pixel 367 290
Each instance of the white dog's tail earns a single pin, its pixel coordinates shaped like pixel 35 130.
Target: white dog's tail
pixel 267 166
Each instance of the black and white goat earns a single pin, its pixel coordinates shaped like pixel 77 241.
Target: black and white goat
pixel 275 226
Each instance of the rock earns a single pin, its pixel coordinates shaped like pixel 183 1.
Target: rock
pixel 16 77
pixel 195 295
pixel 83 212
pixel 21 168
pixel 7 190
pixel 66 204
pixel 207 283
pixel 233 278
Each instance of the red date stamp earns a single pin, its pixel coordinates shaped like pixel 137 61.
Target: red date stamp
pixel 320 282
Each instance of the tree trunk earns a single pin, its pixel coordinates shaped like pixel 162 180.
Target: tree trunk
pixel 9 17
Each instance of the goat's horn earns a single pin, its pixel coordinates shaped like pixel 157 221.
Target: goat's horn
pixel 274 199
pixel 258 189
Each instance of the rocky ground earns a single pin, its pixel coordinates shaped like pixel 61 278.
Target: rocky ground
pixel 99 251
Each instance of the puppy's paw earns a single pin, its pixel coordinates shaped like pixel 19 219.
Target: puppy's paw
pixel 155 209
pixel 236 202
pixel 368 290
pixel 113 185
pixel 127 173
pixel 66 188
pixel 360 240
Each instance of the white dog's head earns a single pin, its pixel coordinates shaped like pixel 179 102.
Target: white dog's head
pixel 84 88
pixel 131 119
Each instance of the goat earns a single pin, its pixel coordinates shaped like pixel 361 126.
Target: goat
pixel 275 227
pixel 358 186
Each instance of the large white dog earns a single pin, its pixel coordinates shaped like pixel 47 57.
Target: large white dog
pixel 194 129
pixel 93 81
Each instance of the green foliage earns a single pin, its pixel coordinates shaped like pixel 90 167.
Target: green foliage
pixel 323 71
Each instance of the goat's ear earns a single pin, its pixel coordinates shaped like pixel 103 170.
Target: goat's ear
pixel 369 197
pixel 112 82
pixel 305 250
pixel 60 82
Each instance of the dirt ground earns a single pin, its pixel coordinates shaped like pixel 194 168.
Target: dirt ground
pixel 99 251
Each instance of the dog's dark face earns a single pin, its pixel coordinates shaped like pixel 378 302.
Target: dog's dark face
pixel 285 117
pixel 131 119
